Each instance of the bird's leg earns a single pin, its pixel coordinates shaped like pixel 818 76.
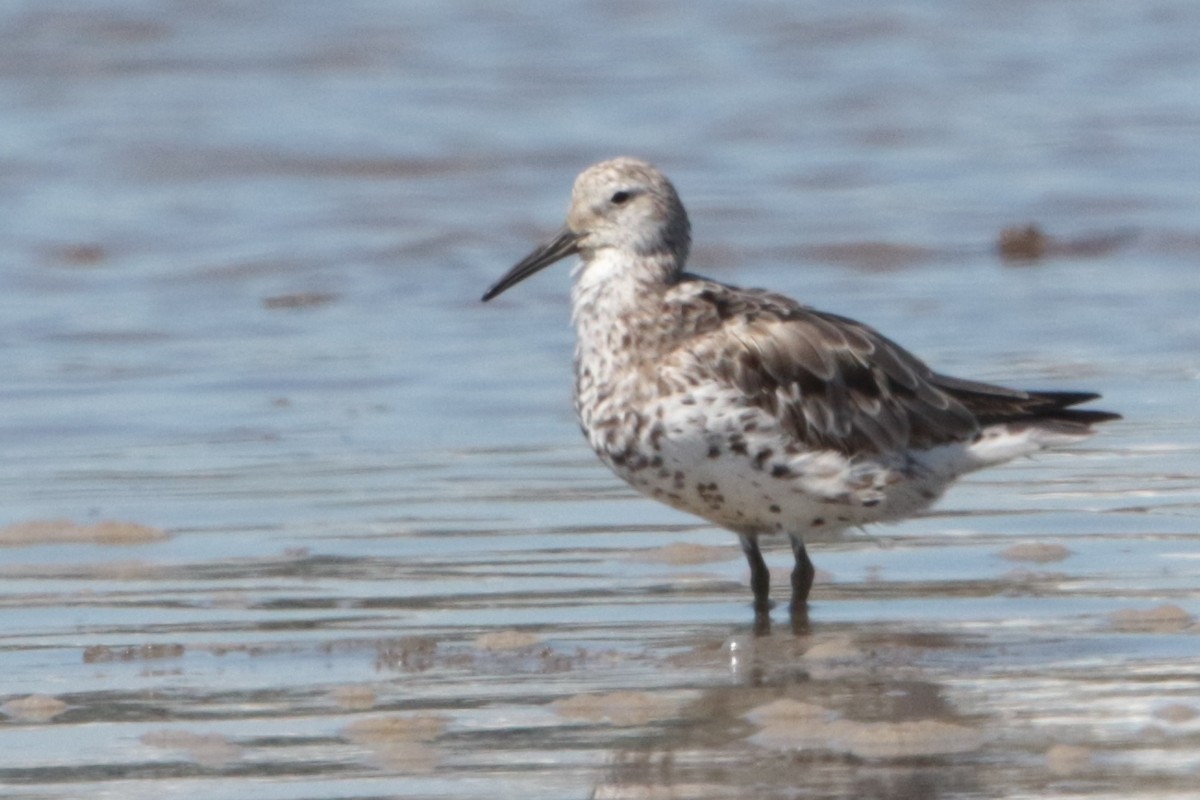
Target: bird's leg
pixel 760 578
pixel 802 575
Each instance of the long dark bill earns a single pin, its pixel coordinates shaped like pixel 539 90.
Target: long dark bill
pixel 566 243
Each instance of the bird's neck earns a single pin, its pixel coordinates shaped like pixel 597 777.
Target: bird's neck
pixel 611 284
pixel 617 311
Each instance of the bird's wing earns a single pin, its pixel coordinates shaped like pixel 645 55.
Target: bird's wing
pixel 832 383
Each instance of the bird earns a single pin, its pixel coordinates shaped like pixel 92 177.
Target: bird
pixel 751 410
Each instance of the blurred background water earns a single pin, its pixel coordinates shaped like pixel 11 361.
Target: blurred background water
pixel 285 512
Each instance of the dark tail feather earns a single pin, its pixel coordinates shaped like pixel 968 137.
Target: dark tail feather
pixel 1058 405
pixel 996 404
pixel 1081 416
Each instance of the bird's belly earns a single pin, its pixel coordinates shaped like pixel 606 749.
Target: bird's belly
pixel 732 465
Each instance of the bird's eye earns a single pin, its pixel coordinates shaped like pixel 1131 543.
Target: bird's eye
pixel 619 198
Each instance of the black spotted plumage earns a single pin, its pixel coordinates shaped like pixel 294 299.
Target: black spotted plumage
pixel 836 383
pixel 754 411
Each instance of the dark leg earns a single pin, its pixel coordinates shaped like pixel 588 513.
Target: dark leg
pixel 760 578
pixel 802 575
pixel 802 581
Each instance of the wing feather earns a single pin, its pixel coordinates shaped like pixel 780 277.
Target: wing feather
pixel 830 381
pixel 835 383
pixel 838 384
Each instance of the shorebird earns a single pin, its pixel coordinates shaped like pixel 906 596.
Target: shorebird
pixel 751 410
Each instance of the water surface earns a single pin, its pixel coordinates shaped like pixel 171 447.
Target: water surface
pixel 360 549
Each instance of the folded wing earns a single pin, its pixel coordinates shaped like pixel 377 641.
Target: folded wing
pixel 834 383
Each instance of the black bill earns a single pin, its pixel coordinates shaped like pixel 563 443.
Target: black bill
pixel 566 243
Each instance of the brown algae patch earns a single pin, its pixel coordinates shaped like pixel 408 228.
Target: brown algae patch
pixel 132 570
pixel 496 641
pixel 64 531
pixel 835 655
pixel 410 653
pixel 835 648
pixel 207 749
pixel 1161 619
pixel 1068 759
pixel 396 728
pixel 99 653
pixel 1028 243
pixel 353 698
pixel 788 713
pixel 400 742
pixel 793 725
pixel 1022 243
pixel 82 254
pixel 1177 713
pixel 683 554
pixel 299 300
pixel 618 708
pixel 34 708
pixel 1036 552
pixel 497 652
pixel 924 737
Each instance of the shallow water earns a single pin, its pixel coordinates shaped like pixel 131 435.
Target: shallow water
pixel 361 550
